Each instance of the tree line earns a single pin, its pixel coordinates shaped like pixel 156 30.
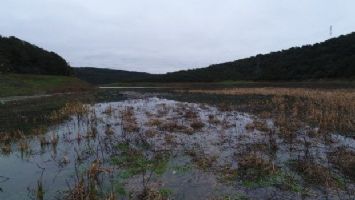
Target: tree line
pixel 18 56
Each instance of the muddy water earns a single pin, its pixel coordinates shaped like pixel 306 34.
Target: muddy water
pixel 203 145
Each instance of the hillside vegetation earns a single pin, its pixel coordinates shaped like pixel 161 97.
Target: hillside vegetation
pixel 332 59
pixel 18 56
pixel 104 76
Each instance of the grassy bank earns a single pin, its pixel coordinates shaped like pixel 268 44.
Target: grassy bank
pixel 20 84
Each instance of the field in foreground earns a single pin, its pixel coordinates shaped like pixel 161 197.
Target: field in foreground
pixel 249 143
pixel 19 84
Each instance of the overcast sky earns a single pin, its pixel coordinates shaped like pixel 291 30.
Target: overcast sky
pixel 166 35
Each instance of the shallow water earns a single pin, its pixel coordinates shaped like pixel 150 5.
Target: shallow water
pixel 197 156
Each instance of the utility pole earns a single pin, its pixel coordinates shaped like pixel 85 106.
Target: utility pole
pixel 331 31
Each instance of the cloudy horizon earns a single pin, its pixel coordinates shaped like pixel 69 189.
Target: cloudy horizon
pixel 162 36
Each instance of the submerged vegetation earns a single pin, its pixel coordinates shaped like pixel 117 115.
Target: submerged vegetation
pixel 271 143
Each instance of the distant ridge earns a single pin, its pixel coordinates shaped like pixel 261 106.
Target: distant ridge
pixel 18 56
pixel 105 76
pixel 332 59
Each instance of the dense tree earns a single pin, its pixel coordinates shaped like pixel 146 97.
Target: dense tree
pixel 18 56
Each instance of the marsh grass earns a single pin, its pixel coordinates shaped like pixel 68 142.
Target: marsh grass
pixel 344 160
pixel 197 124
pixel 87 185
pixel 328 109
pixel 154 122
pixel 156 134
pixel 202 161
pixel 77 109
pixel 316 174
pixel 129 121
pixel 171 126
pixel 40 190
pixel 253 167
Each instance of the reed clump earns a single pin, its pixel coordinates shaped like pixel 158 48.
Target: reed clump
pixel 316 174
pixel 12 136
pixel 202 161
pixel 197 124
pixel 6 149
pixel 70 109
pixel 329 109
pixel 171 126
pixel 154 122
pixel 87 186
pixel 129 122
pixel 253 167
pixel 344 160
pixel 152 194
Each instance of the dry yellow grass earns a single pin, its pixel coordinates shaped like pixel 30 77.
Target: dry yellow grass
pixel 300 92
pixel 328 109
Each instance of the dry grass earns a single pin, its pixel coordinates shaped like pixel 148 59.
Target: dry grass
pixel 152 194
pixel 259 125
pixel 201 160
pixel 197 124
pixel 171 126
pixel 108 111
pixel 6 149
pixel 129 122
pixel 190 114
pixel 331 109
pixel 74 108
pixel 151 133
pixel 87 188
pixel 8 137
pixel 300 92
pixel 23 145
pixel 154 122
pixel 345 161
pixel 253 167
pixel 316 174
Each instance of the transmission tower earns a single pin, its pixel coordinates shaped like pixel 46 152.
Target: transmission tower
pixel 331 31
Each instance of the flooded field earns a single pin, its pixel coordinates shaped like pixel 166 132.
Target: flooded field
pixel 177 145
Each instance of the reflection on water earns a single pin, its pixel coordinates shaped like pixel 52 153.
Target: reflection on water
pixel 159 148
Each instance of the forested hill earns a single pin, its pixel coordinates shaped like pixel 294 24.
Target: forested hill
pixel 104 76
pixel 332 59
pixel 18 56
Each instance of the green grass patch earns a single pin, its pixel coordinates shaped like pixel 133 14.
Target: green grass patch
pixel 24 84
pixel 280 179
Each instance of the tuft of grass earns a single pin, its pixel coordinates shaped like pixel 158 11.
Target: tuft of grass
pixel 345 161
pixel 197 125
pixel 253 167
pixel 165 192
pixel 129 121
pixel 316 174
